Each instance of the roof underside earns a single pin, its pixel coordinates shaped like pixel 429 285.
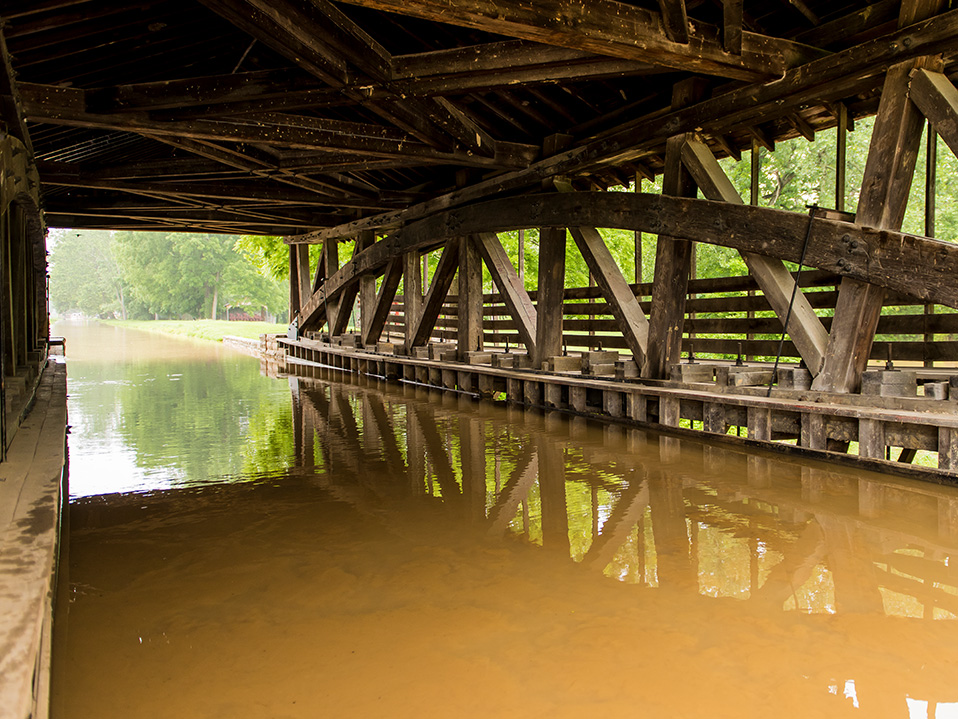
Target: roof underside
pixel 285 116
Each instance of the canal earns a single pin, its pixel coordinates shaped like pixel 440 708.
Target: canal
pixel 316 545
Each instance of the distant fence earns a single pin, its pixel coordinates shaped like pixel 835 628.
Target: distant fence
pixel 724 316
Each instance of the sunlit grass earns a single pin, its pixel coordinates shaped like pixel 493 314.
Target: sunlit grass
pixel 213 330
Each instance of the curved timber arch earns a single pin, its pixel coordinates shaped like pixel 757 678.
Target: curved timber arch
pixel 917 266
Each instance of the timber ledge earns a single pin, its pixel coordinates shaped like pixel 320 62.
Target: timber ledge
pixel 790 419
pixel 32 489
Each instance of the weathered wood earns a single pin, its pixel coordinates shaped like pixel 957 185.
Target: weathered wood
pixel 871 438
pixel 411 296
pixel 889 168
pixel 798 86
pixel 606 28
pixel 608 276
pixel 303 278
pixel 367 289
pixel 469 308
pixel 776 282
pixel 438 290
pixel 937 98
pixel 384 300
pixel 295 303
pixel 732 26
pixel 877 256
pixel 513 293
pixel 673 256
pixel 675 20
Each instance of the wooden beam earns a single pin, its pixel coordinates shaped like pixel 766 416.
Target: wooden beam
pixel 384 301
pixel 438 291
pixel 732 108
pixel 469 309
pixel 330 260
pixel 303 276
pixel 603 27
pixel 917 266
pixel 411 295
pixel 886 183
pixel 937 98
pixel 674 257
pixel 514 295
pixel 367 286
pixel 732 26
pixel 675 20
pixel 776 282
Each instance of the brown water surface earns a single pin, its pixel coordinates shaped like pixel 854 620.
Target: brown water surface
pixel 381 551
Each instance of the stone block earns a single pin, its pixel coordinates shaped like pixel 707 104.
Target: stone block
pixel 479 357
pixel 420 352
pixel 890 383
pixel 692 372
pixel 562 363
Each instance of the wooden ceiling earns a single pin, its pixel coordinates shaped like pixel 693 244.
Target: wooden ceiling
pixel 288 116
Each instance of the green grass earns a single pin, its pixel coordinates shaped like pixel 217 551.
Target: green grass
pixel 213 330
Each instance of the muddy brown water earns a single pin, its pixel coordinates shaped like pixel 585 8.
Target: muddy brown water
pixel 324 546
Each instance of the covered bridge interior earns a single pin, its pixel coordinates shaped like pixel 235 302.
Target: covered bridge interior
pixel 404 137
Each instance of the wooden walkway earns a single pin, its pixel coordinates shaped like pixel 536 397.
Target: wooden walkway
pixel 32 488
pixel 889 430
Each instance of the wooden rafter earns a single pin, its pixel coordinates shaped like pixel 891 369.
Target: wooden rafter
pixel 605 27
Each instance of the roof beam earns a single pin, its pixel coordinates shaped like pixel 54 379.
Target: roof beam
pixel 676 20
pixel 606 27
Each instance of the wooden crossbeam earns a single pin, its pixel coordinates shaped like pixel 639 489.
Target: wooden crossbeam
pixel 438 290
pixel 937 98
pixel 675 20
pixel 287 132
pixel 513 292
pixel 603 27
pixel 776 282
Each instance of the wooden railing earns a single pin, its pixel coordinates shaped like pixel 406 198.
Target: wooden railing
pixel 724 317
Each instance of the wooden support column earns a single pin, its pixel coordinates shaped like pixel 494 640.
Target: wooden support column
pixel 514 295
pixel 673 257
pixel 367 287
pixel 805 328
pixel 438 290
pixel 551 277
pixel 412 295
pixel 295 303
pixel 889 169
pixel 330 263
pixel 470 298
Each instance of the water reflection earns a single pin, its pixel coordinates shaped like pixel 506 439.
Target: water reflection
pixel 382 550
pixel 644 509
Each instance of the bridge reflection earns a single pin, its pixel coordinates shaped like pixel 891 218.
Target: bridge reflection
pixel 664 512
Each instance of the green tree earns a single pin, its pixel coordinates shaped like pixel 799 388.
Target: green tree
pixel 85 274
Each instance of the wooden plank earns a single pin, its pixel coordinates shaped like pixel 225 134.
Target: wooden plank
pixel 871 438
pixel 469 337
pixel 732 26
pixel 513 292
pixel 438 290
pixel 295 303
pixel 775 280
pixel 892 156
pixel 551 283
pixel 303 275
pixel 411 295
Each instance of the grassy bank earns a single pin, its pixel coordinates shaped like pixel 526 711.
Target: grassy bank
pixel 213 330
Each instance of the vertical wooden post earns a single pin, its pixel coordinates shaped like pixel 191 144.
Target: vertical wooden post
pixel 470 298
pixel 551 277
pixel 330 262
pixel 411 295
pixel 931 184
pixel 841 149
pixel 367 287
pixel 889 170
pixel 673 257
pixel 755 173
